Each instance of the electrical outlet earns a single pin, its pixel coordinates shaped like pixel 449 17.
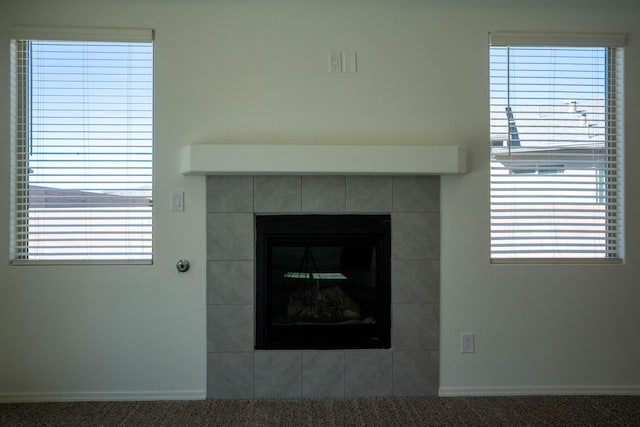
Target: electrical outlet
pixel 468 342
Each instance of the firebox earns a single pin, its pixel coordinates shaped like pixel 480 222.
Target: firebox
pixel 323 281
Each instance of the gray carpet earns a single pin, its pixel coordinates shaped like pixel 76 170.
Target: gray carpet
pixel 395 411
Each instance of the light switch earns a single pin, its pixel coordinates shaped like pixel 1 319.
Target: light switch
pixel 468 344
pixel 177 201
pixel 349 62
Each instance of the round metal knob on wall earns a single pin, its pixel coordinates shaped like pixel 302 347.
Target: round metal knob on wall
pixel 182 265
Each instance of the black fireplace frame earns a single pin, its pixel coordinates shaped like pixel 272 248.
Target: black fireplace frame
pixel 299 230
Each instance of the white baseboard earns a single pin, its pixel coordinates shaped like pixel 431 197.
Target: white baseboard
pixel 539 391
pixel 201 394
pixel 96 396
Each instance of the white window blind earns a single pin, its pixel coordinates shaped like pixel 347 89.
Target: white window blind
pixel 82 147
pixel 556 182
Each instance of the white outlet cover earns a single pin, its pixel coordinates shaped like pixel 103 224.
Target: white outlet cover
pixel 177 201
pixel 468 342
pixel 349 62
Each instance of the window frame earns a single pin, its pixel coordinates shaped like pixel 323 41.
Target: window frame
pixel 20 137
pixel 614 43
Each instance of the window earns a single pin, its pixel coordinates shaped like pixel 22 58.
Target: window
pixel 82 146
pixel 556 119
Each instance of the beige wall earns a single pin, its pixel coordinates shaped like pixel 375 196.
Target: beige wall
pixel 256 71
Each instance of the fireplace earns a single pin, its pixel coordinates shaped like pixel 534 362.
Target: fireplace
pixel 323 281
pixel 409 366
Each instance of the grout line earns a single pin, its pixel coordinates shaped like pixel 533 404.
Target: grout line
pixel 253 195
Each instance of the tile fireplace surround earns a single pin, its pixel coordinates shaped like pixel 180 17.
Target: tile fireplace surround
pixel 409 367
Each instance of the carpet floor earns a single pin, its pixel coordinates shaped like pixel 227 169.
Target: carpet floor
pixel 393 411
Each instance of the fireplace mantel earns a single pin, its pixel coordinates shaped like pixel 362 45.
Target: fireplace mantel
pixel 227 159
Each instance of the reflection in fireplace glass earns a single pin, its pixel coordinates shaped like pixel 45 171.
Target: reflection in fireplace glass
pixel 327 285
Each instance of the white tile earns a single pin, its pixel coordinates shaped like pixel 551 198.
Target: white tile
pixel 415 235
pixel 230 375
pixel 278 374
pixel 368 194
pixel 415 373
pixel 230 236
pixel 322 374
pixel 416 281
pixel 277 194
pixel 415 326
pixel 323 194
pixel 416 193
pixel 229 193
pixel 229 328
pixel 368 373
pixel 230 282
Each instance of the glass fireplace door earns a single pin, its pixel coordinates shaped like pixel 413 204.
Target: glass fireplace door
pixel 322 281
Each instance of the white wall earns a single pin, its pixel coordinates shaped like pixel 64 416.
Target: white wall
pixel 256 71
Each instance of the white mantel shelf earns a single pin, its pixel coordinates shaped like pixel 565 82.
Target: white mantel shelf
pixel 226 159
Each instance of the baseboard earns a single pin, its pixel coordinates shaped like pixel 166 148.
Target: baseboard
pixel 539 391
pixel 96 396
